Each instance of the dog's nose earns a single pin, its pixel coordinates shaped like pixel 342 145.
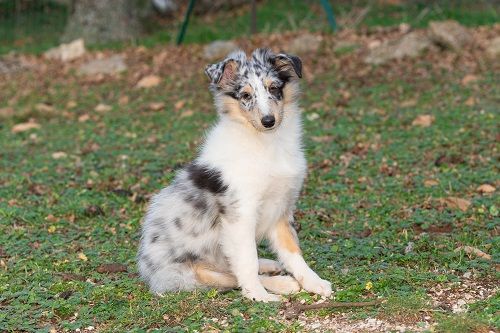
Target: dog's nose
pixel 268 121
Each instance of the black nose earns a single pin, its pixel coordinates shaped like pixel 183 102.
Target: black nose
pixel 268 121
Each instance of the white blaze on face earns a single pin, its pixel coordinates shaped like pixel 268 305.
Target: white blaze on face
pixel 261 96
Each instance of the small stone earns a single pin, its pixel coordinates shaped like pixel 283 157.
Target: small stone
pixel 219 49
pixel 306 43
pixel 112 65
pixel 67 52
pixel 493 49
pixel 410 45
pixel 449 34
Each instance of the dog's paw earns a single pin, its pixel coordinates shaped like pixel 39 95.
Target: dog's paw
pixel 268 266
pixel 317 285
pixel 261 296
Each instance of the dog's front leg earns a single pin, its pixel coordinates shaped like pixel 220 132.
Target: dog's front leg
pixel 239 246
pixel 284 241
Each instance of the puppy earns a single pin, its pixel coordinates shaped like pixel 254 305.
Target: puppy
pixel 203 229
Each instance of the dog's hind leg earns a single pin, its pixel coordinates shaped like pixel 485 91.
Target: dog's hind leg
pixel 208 276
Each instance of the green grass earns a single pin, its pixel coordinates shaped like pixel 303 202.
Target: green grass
pixel 41 25
pixel 356 221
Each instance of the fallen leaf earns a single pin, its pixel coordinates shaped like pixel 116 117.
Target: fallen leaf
pixel 103 107
pixel 179 105
pixel 123 100
pixel 187 113
pixel 156 106
pixel 23 127
pixel 51 218
pixel 71 105
pixel 6 112
pixel 42 107
pixel 469 78
pixel 430 182
pixel 149 81
pixel 455 203
pixel 423 120
pixel 473 251
pixel 322 139
pixel 408 103
pixel 58 155
pixel 312 116
pixel 111 268
pixel 94 210
pixel 471 101
pixel 82 256
pixel 486 188
pixel 72 277
pixel 51 229
pixel 83 118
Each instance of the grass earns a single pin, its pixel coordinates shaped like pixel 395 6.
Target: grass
pixel 61 219
pixel 41 24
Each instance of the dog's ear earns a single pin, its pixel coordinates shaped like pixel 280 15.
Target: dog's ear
pixel 287 65
pixel 222 74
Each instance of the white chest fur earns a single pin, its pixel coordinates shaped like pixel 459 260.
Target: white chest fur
pixel 266 170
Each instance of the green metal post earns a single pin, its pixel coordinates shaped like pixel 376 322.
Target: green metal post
pixel 329 14
pixel 180 36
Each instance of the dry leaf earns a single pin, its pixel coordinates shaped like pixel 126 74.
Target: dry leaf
pixel 42 107
pixel 424 120
pixel 6 112
pixel 179 105
pixel 23 127
pixel 187 113
pixel 83 118
pixel 430 182
pixel 312 116
pixel 156 106
pixel 322 139
pixel 111 268
pixel 71 105
pixel 51 229
pixel 473 251
pixel 149 81
pixel 82 256
pixel 408 103
pixel 103 107
pixel 58 155
pixel 123 100
pixel 471 101
pixel 469 78
pixel 486 188
pixel 456 203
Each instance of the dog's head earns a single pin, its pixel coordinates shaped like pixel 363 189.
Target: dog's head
pixel 255 90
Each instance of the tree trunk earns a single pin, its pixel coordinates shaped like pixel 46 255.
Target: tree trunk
pixel 100 21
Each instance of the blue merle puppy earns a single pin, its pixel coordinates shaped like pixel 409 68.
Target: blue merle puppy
pixel 203 229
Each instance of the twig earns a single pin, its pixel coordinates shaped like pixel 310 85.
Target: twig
pixel 293 311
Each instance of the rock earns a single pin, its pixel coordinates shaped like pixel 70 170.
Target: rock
pixel 112 65
pixel 306 43
pixel 410 45
pixel 12 63
pixel 449 34
pixel 493 49
pixel 67 52
pixel 219 49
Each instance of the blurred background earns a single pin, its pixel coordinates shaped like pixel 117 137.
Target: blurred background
pixel 36 25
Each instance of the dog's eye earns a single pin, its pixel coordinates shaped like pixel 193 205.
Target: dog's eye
pixel 274 90
pixel 245 96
